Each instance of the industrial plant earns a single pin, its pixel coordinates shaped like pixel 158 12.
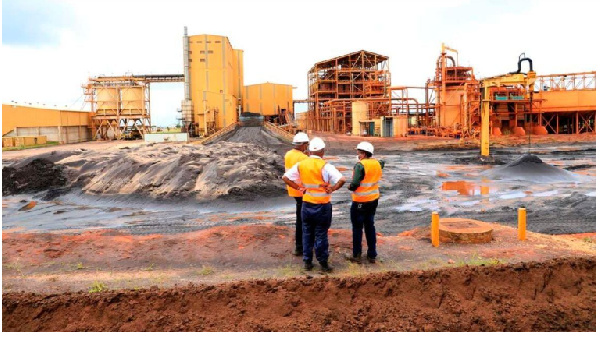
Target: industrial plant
pixel 476 195
pixel 349 94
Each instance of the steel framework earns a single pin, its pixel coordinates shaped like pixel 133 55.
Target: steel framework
pixel 335 83
pixel 127 105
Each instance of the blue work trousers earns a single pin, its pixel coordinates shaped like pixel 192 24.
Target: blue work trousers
pixel 316 220
pixel 362 215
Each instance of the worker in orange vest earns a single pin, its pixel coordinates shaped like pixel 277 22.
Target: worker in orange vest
pixel 292 157
pixel 318 180
pixel 365 198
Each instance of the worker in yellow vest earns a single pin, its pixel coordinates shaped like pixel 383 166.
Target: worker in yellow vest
pixel 318 180
pixel 292 157
pixel 365 198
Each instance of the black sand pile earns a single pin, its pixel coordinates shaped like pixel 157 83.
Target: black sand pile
pixel 533 169
pixel 31 177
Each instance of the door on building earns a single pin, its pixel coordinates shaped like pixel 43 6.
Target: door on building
pixel 371 128
pixel 388 127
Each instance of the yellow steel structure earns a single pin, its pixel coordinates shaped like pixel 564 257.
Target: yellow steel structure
pixel 270 100
pixel 215 82
pixel 519 88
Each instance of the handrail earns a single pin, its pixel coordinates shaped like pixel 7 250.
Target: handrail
pixel 221 132
pixel 279 131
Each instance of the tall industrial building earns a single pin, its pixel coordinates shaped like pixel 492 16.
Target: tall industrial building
pixel 214 78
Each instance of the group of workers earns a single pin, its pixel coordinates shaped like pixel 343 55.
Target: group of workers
pixel 311 180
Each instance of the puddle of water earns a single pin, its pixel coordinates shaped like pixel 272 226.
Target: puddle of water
pixel 513 195
pixel 546 194
pixel 591 194
pixel 465 188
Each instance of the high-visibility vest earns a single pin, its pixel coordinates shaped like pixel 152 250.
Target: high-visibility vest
pixel 312 178
pixel 293 157
pixel 369 186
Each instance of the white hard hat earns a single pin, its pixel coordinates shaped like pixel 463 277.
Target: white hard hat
pixel 300 138
pixel 316 144
pixel 365 146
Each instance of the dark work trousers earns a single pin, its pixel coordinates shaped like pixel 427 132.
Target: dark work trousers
pixel 362 215
pixel 316 219
pixel 299 247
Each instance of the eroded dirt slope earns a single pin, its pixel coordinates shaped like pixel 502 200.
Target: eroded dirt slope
pixel 557 295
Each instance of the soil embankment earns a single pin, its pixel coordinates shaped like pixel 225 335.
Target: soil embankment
pixel 556 295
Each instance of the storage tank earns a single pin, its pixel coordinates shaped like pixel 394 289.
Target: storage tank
pixel 107 101
pixel 132 101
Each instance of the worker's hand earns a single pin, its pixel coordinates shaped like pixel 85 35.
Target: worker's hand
pixel 302 189
pixel 329 189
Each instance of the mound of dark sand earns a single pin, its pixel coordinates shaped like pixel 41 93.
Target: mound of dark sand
pixel 531 168
pixel 33 176
pixel 234 171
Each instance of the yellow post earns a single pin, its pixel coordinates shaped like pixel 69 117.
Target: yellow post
pixel 485 129
pixel 522 222
pixel 435 229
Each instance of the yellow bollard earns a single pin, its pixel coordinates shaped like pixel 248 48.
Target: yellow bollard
pixel 435 229
pixel 522 222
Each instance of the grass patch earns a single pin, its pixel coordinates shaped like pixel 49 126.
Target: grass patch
pixel 205 270
pixel 149 268
pixel 47 144
pixel 288 271
pixel 588 240
pixel 477 260
pixel 98 287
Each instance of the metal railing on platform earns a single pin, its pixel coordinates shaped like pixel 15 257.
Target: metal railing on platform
pixel 220 133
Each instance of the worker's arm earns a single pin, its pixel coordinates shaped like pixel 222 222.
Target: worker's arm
pixel 291 176
pixel 357 177
pixel 333 176
pixel 293 184
pixel 337 186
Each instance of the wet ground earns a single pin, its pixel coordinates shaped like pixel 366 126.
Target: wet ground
pixel 414 184
pixel 83 262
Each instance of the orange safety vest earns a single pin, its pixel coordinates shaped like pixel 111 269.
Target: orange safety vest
pixel 312 178
pixel 293 157
pixel 369 186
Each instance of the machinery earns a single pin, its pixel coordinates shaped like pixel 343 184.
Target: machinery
pixel 506 101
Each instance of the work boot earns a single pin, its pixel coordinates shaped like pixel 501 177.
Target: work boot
pixel 325 267
pixel 354 258
pixel 372 260
pixel 308 265
pixel 298 252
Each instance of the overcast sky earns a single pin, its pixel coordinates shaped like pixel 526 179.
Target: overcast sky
pixel 50 48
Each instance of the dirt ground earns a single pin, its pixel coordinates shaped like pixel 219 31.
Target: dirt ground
pixel 124 262
pixel 556 295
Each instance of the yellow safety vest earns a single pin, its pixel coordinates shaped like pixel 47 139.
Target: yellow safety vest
pixel 312 178
pixel 369 186
pixel 293 157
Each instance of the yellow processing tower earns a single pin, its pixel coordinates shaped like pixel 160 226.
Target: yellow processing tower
pixel 213 75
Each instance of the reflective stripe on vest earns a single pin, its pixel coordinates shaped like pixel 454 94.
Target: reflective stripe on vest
pixel 368 189
pixel 312 178
pixel 293 157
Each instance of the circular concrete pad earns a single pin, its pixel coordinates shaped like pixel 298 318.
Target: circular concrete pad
pixel 464 231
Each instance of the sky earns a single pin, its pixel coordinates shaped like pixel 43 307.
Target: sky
pixel 51 47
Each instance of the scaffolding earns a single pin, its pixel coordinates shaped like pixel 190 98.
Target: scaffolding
pixel 335 83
